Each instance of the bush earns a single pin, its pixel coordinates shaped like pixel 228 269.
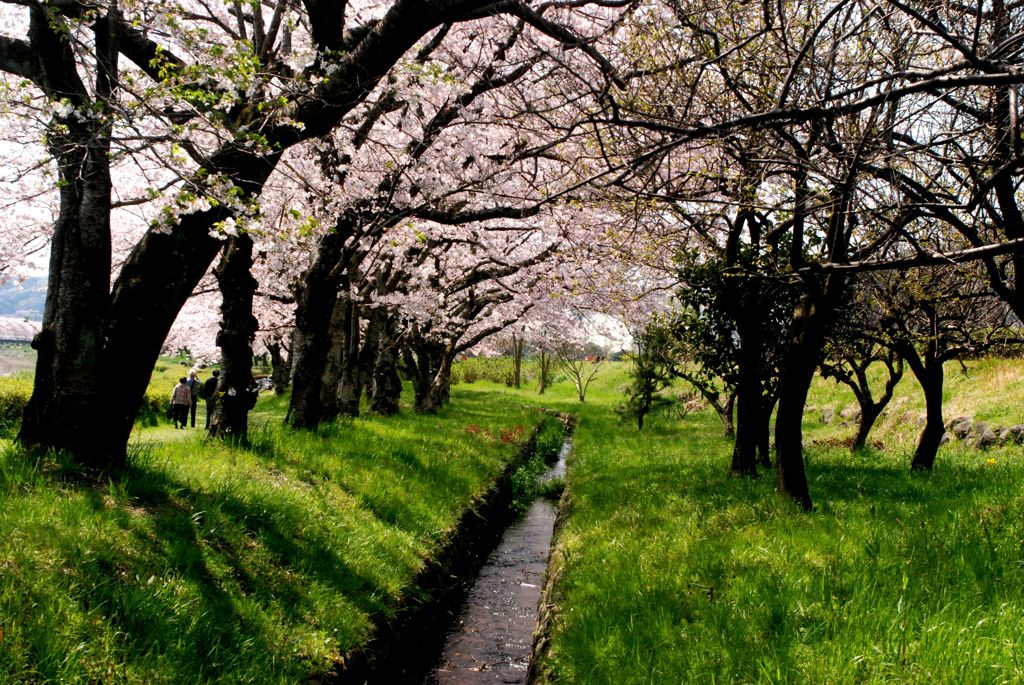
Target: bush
pixel 155 406
pixel 494 369
pixel 14 394
pixel 16 390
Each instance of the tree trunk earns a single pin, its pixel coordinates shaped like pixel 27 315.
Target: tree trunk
pixel 725 413
pixel 544 368
pixel 764 432
pixel 812 316
pixel 428 364
pixel 387 386
pixel 869 413
pixel 438 393
pixel 857 380
pixel 369 350
pixel 748 401
pixel 350 382
pixel 71 385
pixel 315 305
pixel 517 361
pixel 330 378
pixel 281 367
pixel 236 389
pixel 930 375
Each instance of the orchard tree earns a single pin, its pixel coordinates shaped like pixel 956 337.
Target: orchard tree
pixel 856 345
pixel 932 316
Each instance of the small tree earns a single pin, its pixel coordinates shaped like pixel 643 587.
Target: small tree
pixel 856 344
pixel 577 367
pixel 651 372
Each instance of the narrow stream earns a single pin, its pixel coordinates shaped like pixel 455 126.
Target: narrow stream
pixel 490 641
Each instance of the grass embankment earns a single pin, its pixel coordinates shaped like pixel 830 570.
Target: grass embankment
pixel 669 571
pixel 213 564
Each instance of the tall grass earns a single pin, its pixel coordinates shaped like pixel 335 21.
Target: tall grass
pixel 208 563
pixel 669 571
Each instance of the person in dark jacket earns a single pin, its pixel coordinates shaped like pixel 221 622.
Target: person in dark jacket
pixel 195 387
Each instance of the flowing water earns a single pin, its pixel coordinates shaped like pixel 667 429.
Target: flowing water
pixel 491 640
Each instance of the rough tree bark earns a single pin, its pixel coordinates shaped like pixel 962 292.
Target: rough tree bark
pixel 315 304
pixel 68 398
pixel 387 386
pixel 236 389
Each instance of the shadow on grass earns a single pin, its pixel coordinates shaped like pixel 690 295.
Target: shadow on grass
pixel 235 569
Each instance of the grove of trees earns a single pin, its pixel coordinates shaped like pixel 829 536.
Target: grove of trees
pixel 372 186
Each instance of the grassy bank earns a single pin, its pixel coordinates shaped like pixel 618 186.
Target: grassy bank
pixel 213 564
pixel 670 571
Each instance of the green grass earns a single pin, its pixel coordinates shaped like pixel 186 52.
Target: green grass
pixel 669 571
pixel 213 564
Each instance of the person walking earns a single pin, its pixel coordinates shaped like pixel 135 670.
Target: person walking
pixel 181 400
pixel 195 387
pixel 210 395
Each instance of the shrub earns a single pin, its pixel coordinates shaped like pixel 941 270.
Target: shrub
pixel 494 369
pixel 155 405
pixel 14 394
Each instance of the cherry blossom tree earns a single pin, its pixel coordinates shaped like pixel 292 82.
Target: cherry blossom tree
pixel 218 95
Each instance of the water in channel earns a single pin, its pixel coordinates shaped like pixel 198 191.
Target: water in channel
pixel 490 642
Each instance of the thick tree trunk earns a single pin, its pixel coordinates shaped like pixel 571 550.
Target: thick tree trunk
pixel 350 381
pixel 236 389
pixel 71 390
pixel 812 316
pixel 789 464
pixel 438 394
pixel 387 386
pixel 429 360
pixel 314 309
pixel 330 378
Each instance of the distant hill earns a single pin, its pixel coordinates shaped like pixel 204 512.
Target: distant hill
pixel 24 301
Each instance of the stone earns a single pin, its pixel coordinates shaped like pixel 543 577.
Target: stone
pixel 1016 433
pixel 946 438
pixel 962 428
pixel 850 412
pixel 828 415
pixel 986 439
pixel 957 419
